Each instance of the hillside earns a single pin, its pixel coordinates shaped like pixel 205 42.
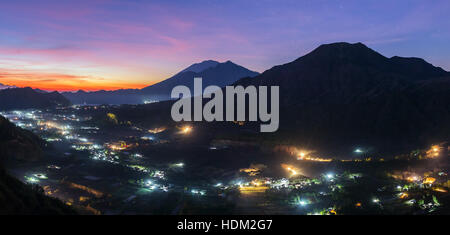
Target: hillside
pixel 342 95
pixel 25 98
pixel 15 196
pixel 19 198
pixel 18 144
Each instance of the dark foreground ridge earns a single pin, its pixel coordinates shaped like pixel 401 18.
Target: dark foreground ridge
pixel 19 198
pixel 15 196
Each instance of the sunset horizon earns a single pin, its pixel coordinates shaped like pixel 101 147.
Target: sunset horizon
pixel 47 82
pixel 224 116
pixel 52 45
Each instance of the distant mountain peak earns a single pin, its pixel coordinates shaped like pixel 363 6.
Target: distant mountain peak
pixel 345 50
pixel 344 45
pixel 199 67
pixel 3 86
pixel 214 73
pixel 27 97
pixel 345 68
pixel 41 91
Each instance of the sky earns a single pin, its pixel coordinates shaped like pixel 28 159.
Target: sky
pixel 99 44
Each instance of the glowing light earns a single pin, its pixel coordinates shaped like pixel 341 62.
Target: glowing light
pixel 410 202
pixel 429 180
pixel 196 191
pixel 148 138
pixel 434 151
pixel 304 155
pixel 256 182
pixel 179 164
pixel 403 195
pixel 53 167
pixel 40 176
pixel 137 155
pixel 150 101
pixel 252 189
pixel 112 117
pixel 157 130
pixel 186 130
pixel 250 171
pixel 31 179
pixel 291 169
pixel 121 145
pixel 438 189
pixel 301 202
pixel 413 178
pixel 293 172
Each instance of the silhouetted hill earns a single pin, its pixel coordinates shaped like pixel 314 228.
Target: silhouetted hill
pixel 24 98
pixel 40 91
pixel 212 72
pixel 346 71
pixel 123 96
pixel 2 86
pixel 199 67
pixel 345 94
pixel 220 75
pixel 17 143
pixel 15 196
pixel 19 198
pixel 339 97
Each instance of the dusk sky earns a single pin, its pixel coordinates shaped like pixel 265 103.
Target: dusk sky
pixel 95 44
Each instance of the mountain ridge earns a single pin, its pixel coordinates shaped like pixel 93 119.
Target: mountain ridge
pixel 212 72
pixel 340 97
pixel 346 93
pixel 25 98
pixel 199 67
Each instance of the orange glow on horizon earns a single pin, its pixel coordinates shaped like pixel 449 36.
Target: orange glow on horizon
pixel 65 85
pixel 55 81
